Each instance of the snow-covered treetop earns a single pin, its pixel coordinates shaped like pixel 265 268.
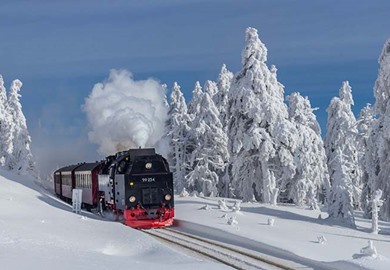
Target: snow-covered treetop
pixel 254 49
pixel 300 111
pixel 366 117
pixel 345 93
pixel 382 84
pixel 193 106
pixel 177 99
pixel 14 96
pixel 3 97
pixel 224 78
pixel 211 88
pixel 385 51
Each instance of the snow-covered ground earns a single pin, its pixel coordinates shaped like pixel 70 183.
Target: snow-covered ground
pixel 37 231
pixel 297 234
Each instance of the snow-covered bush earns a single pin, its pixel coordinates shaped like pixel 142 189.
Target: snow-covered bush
pixel 270 221
pixel 232 221
pixel 237 206
pixel 321 239
pixel 205 207
pixel 184 193
pixel 222 205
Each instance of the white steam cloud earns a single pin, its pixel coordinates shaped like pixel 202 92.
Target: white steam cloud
pixel 124 113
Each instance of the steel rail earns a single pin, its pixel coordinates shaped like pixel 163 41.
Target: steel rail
pixel 227 247
pixel 227 255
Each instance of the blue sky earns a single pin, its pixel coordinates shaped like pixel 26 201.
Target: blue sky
pixel 60 49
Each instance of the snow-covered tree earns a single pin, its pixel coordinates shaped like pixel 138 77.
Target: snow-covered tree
pixel 177 131
pixel 378 148
pixel 225 78
pixel 261 137
pixel 210 155
pixel 193 111
pixel 342 154
pixel 21 158
pixel 340 201
pixel 194 104
pixel 311 175
pixel 211 88
pixel 221 101
pixel 376 202
pixel 365 123
pixel 4 122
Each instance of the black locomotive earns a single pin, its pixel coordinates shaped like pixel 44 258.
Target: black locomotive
pixel 135 184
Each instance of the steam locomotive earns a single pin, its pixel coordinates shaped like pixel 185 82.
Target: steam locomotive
pixel 135 185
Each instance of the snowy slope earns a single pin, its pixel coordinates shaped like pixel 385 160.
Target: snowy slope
pixel 39 232
pixel 294 235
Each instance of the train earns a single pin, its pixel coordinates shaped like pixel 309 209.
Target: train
pixel 136 185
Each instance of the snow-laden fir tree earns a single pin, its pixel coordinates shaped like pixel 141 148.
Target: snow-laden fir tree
pixel 193 105
pixel 177 131
pixel 211 88
pixel 378 149
pixel 193 111
pixel 311 176
pixel 262 138
pixel 221 97
pixel 210 154
pixel 21 158
pixel 365 122
pixel 221 101
pixel 340 201
pixel 342 156
pixel 4 122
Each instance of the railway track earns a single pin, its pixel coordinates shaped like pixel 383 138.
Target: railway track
pixel 229 255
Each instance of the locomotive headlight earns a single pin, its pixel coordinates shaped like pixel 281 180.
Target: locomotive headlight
pixel 132 199
pixel 168 197
pixel 148 165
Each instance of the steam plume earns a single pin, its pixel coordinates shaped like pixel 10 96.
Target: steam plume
pixel 124 113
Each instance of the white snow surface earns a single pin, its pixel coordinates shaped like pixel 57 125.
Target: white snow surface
pixel 37 231
pixel 293 236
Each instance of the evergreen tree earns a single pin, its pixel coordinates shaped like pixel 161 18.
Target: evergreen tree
pixel 365 123
pixel 224 82
pixel 211 88
pixel 311 175
pixel 378 157
pixel 221 101
pixel 342 155
pixel 177 131
pixel 340 199
pixel 210 154
pixel 261 137
pixel 193 105
pixel 3 123
pixel 21 158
